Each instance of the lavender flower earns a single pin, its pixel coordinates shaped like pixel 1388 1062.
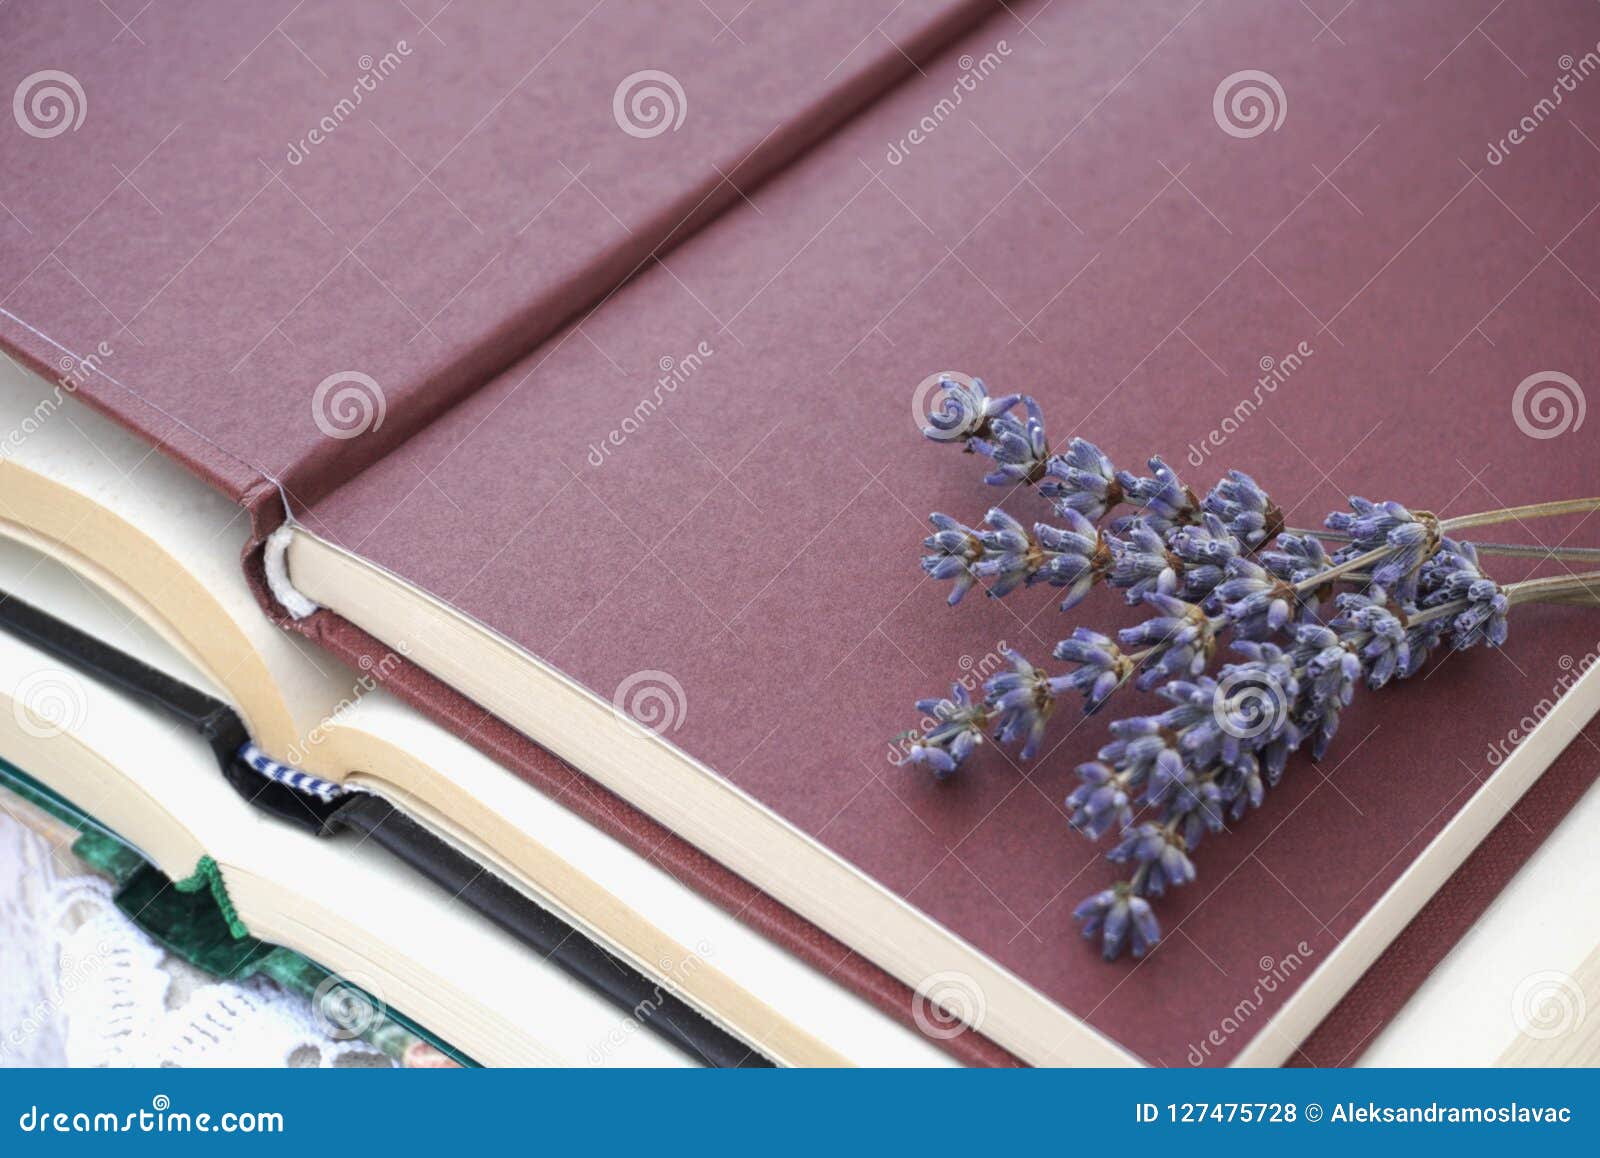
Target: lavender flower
pixel 1297 558
pixel 953 550
pixel 1330 674
pixel 1100 802
pixel 1410 544
pixel 1103 668
pixel 1376 636
pixel 1265 689
pixel 1459 577
pixel 1204 567
pixel 1018 448
pixel 1244 508
pixel 964 413
pixel 1121 919
pixel 1422 638
pixel 1142 750
pixel 1204 550
pixel 1160 854
pixel 1196 808
pixel 1082 480
pixel 1368 524
pixel 1257 602
pixel 1010 555
pixel 1242 788
pixel 1022 700
pixel 1142 563
pixel 1164 498
pixel 960 730
pixel 1180 640
pixel 1078 556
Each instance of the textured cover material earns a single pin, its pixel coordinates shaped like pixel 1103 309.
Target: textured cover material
pixel 1083 227
pixel 1067 203
pixel 240 200
pixel 1383 989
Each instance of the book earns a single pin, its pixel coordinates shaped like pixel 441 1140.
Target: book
pixel 190 923
pixel 347 908
pixel 1515 988
pixel 720 541
pixel 92 550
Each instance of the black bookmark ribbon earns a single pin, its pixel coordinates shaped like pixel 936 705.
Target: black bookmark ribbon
pixel 375 819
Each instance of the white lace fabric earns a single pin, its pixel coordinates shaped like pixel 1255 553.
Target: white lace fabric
pixel 80 985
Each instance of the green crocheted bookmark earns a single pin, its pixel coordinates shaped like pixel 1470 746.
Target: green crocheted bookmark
pixel 207 874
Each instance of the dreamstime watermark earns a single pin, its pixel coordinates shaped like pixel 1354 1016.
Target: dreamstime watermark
pixel 347 1007
pixel 675 372
pixel 1548 1004
pixel 974 71
pixel 652 699
pixel 373 673
pixel 1247 703
pixel 1572 670
pixel 1248 103
pixel 48 703
pixel 648 103
pixel 348 404
pixel 1275 372
pixel 947 1004
pixel 160 1118
pixel 373 73
pixel 74 372
pixel 1573 73
pixel 672 973
pixel 934 394
pixel 48 103
pixel 973 674
pixel 1548 404
pixel 1276 973
pixel 71 975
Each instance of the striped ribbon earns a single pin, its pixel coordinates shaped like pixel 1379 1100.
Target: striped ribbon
pixel 304 782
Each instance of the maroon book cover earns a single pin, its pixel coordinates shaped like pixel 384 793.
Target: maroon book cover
pixel 1340 281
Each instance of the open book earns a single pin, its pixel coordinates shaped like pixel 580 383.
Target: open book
pixel 342 904
pixel 646 531
pixel 134 552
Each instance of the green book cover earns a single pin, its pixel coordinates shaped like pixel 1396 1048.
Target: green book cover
pixel 194 920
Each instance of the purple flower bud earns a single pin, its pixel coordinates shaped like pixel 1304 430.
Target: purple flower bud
pixel 1368 524
pixel 1100 802
pixel 1244 509
pixel 962 413
pixel 1102 666
pixel 1204 550
pixel 1082 480
pixel 953 551
pixel 1180 640
pixel 1018 448
pixel 1376 634
pixel 1021 701
pixel 955 734
pixel 1164 498
pixel 1141 562
pixel 1121 919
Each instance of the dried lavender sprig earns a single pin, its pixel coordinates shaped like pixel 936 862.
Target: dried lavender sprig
pixel 1082 480
pixel 1395 553
pixel 1026 698
pixel 1182 638
pixel 1008 555
pixel 1174 534
pixel 1507 550
pixel 1307 695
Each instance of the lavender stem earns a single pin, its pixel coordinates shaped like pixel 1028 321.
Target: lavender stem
pixel 1509 550
pixel 1514 514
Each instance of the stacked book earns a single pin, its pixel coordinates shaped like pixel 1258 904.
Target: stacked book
pixel 463 471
